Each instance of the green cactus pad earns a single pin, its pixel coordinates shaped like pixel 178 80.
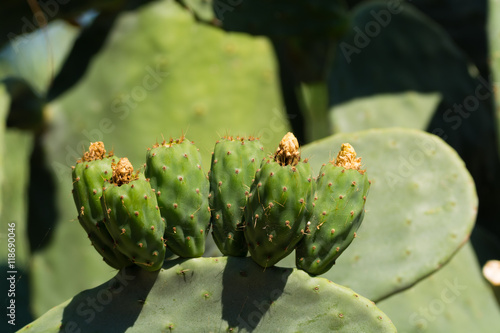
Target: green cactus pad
pixel 415 110
pixel 133 220
pixel 279 204
pixel 174 170
pixel 455 299
pixel 234 163
pixel 421 209
pixel 89 176
pixel 226 294
pixel 339 209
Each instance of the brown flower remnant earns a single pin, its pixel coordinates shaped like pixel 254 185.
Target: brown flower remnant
pixel 96 152
pixel 288 151
pixel 122 172
pixel 347 157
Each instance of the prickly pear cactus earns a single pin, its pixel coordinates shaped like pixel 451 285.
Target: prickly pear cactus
pixel 455 299
pixel 241 72
pixel 234 163
pixel 174 170
pixel 133 217
pixel 420 172
pixel 227 294
pixel 89 176
pixel 279 204
pixel 339 209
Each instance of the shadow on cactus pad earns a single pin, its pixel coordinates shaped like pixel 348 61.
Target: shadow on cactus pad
pixel 216 295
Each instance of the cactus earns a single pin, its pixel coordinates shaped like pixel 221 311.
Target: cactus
pixel 89 176
pixel 132 217
pixel 279 204
pixel 438 66
pixel 234 163
pixel 415 110
pixel 97 109
pixel 418 184
pixel 226 294
pixel 455 299
pixel 174 170
pixel 340 198
pixel 286 167
pixel 113 110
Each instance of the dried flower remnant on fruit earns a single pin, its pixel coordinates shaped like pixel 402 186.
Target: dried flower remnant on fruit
pixel 122 172
pixel 288 151
pixel 96 152
pixel 347 158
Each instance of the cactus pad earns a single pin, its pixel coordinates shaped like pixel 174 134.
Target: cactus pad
pixel 455 299
pixel 132 217
pixel 234 163
pixel 174 170
pixel 227 294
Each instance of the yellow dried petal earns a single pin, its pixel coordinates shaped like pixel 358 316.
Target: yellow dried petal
pixel 122 172
pixel 347 157
pixel 96 152
pixel 288 151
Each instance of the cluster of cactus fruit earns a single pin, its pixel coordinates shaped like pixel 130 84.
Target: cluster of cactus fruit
pixel 266 205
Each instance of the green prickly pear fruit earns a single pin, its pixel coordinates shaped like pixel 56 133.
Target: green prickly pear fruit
pixel 133 216
pixel 89 176
pixel 339 208
pixel 279 204
pixel 234 163
pixel 174 170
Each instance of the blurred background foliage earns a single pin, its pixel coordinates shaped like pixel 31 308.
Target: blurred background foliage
pixel 132 72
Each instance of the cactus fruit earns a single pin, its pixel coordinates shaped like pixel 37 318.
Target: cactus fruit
pixel 174 170
pixel 279 204
pixel 89 175
pixel 339 207
pixel 234 163
pixel 132 216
